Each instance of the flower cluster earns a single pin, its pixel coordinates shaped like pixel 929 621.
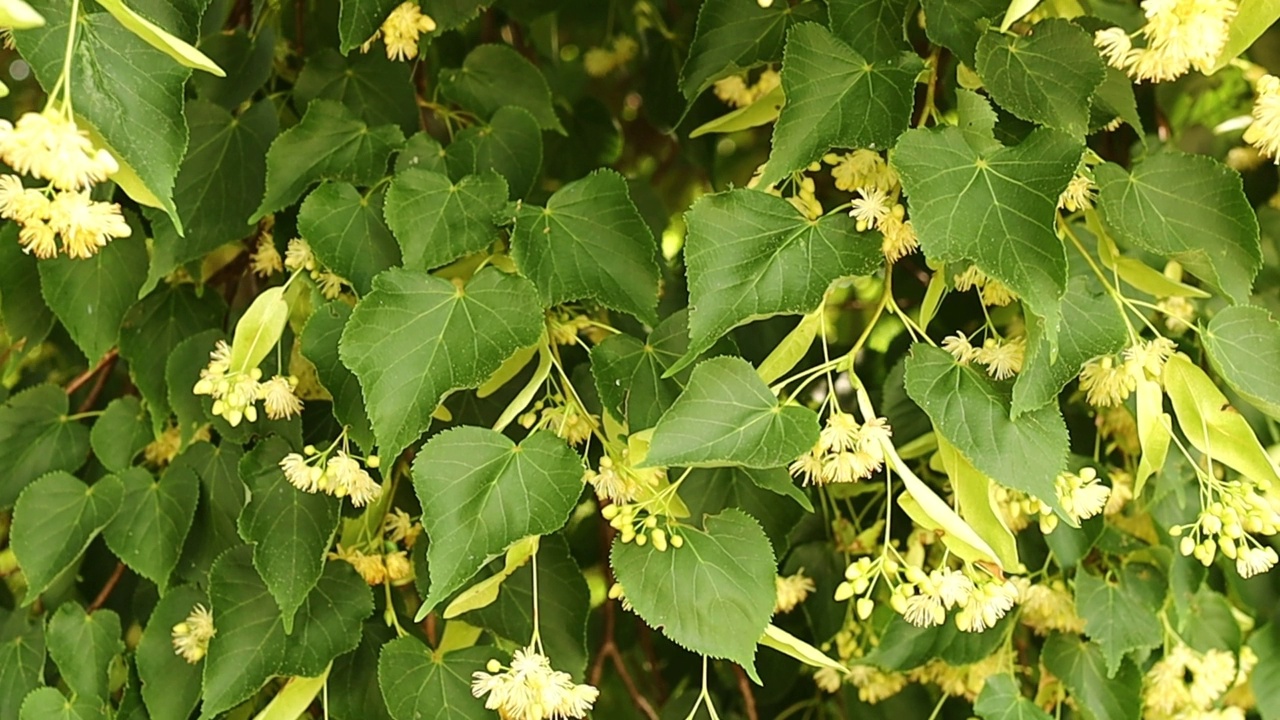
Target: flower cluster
pixel 992 292
pixel 333 472
pixel 50 146
pixel 847 451
pixel 1048 607
pixel 265 260
pixel 1264 132
pixel 632 527
pixel 980 600
pixel 235 392
pixel 791 590
pixel 1186 684
pixel 563 416
pixel 1235 513
pixel 530 689
pixel 400 31
pixel 1079 193
pixel 735 92
pixel 1179 35
pixel 600 61
pixel 191 636
pixel 1108 381
pixel 619 482
pixel 377 568
pixel 298 257
pixel 1003 358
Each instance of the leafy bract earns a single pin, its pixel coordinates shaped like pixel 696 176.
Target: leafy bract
pixel 345 230
pixel 725 576
pixel 836 98
pixel 53 522
pixel 1243 343
pixel 36 437
pixel 494 76
pixel 91 296
pixel 972 413
pixel 589 242
pixel 751 255
pixel 330 143
pixel 993 207
pixel 732 37
pixel 155 515
pixel 437 221
pixel 727 416
pixel 480 492
pixel 1046 76
pixel 1118 616
pixel 417 337
pixel 1189 208
pixel 417 685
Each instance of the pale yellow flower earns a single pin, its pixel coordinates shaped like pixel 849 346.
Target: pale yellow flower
pixel 530 689
pixel 266 260
pixel 791 590
pixel 278 398
pixel 85 226
pixel 401 29
pixel 191 636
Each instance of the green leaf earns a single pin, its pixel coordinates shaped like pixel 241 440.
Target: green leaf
pixel 330 143
pixel 708 491
pixel 590 242
pixel 247 60
pixel 1118 617
pixel 48 704
pixel 218 186
pixel 993 207
pixel 1113 99
pixel 494 76
pixel 380 90
pixel 425 153
pixel 148 532
pixel 972 413
pixel 151 331
pixel 727 416
pixel 752 255
pixel 328 623
pixel 54 521
pixel 1046 76
pixel 419 686
pixel 320 346
pixel 1098 696
pixel 345 230
pixel 1208 622
pixel 170 685
pixel 1002 699
pixel 877 29
pixel 437 221
pixel 958 24
pixel 1243 343
pixel 563 604
pixel 182 370
pixel 732 37
pixel 26 317
pixel 353 681
pixel 36 438
pixel 1190 208
pixel 510 145
pixel 358 20
pixel 836 98
pixel 222 497
pixel 82 646
pixel 91 296
pixel 22 650
pixel 120 433
pixel 291 530
pixel 417 337
pixel 480 492
pixel 157 37
pixel 714 596
pixel 1251 20
pixel 1091 326
pixel 629 373
pixel 115 70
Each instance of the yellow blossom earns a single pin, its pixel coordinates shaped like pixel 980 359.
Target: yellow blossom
pixel 1179 35
pixel 870 208
pixel 791 590
pixel 191 636
pixel 266 260
pixel 1082 495
pixel 298 255
pixel 49 146
pixel 278 398
pixel 530 689
pixel 84 224
pixel 401 29
pixel 899 238
pixel 1079 194
pixel 1003 359
pixel 1105 383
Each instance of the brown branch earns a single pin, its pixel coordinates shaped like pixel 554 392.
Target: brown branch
pixel 108 588
pixel 748 697
pixel 84 377
pixel 609 647
pixel 96 391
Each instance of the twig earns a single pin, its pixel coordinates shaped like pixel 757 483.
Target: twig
pixel 96 391
pixel 85 376
pixel 609 648
pixel 108 588
pixel 748 697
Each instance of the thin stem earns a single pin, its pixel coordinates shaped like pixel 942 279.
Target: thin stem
pixel 537 628
pixel 107 589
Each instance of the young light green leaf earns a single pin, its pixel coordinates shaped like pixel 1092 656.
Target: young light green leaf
pixel 292 701
pixel 1046 76
pixel 437 221
pixel 1214 427
pixel 995 208
pixel 18 15
pixel 727 416
pixel 1190 208
pixel 170 684
pixel 1016 11
pixel 259 329
pixel 82 646
pixel 480 492
pixel 494 76
pixel 590 242
pixel 1155 430
pixel 417 337
pixel 36 438
pixel 1243 343
pixel 1251 20
pixel 91 296
pixel 792 349
pixel 484 593
pixel 417 685
pixel 155 515
pixel 320 346
pixel 55 519
pixel 1119 617
pixel 972 413
pixel 345 230
pixel 836 98
pixel 932 513
pixel 973 495
pixel 1002 699
pixel 714 596
pixel 1100 696
pixel 752 255
pixel 762 111
pixel 788 644
pixel 158 38
pixel 291 530
pixel 510 145
pixel 732 37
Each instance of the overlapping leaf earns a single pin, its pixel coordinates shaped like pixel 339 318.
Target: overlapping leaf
pixel 91 296
pixel 1243 342
pixel 417 685
pixel 320 346
pixel 346 233
pixel 170 684
pixel 510 144
pixel 732 37
pixel 1120 617
pixel 55 519
pixel 437 221
pixel 36 438
pixel 82 646
pixel 155 515
pixel 494 76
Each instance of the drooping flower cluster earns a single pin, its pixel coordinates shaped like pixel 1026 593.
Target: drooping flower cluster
pixel 1003 358
pixel 400 31
pixel 563 416
pixel 791 590
pixel 992 292
pixel 1108 381
pixel 1264 132
pixel 1189 684
pixel 333 472
pixel 847 451
pixel 600 61
pixel 1048 607
pixel 635 525
pixel 191 636
pixel 1179 35
pixel 377 568
pixel 50 146
pixel 530 689
pixel 619 482
pixel 1236 512
pixel 735 92
pixel 298 257
pixel 1079 193
pixel 235 393
pixel 265 260
pixel 979 599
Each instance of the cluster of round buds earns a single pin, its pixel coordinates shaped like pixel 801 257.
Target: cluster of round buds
pixel 980 599
pixel 191 636
pixel 298 257
pixel 642 530
pixel 333 472
pixel 619 482
pixel 860 579
pixel 235 393
pixel 847 451
pixel 391 565
pixel 862 168
pixel 562 416
pixel 1228 525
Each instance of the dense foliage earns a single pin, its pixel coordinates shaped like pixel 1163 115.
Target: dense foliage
pixel 370 359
